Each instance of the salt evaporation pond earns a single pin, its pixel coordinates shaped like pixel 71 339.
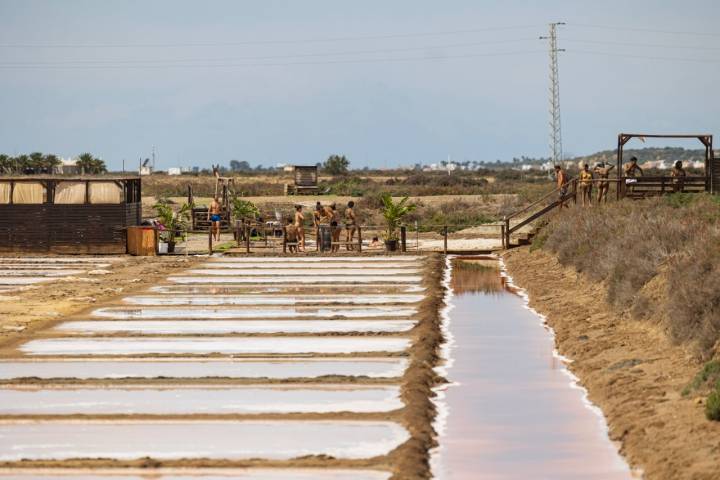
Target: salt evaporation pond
pixel 359 299
pixel 284 288
pixel 352 272
pixel 224 327
pixel 513 411
pixel 303 279
pixel 240 440
pixel 199 400
pixel 40 271
pixel 215 368
pixel 259 313
pixel 332 264
pixel 206 346
pixel 289 260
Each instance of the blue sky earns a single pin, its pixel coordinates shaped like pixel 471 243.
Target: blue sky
pixel 385 83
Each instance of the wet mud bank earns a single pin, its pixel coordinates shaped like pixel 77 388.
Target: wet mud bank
pixel 630 369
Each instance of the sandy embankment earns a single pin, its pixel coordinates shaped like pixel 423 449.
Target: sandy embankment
pixel 630 369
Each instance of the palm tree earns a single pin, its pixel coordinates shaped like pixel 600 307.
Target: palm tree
pixel 36 162
pixel 5 163
pixel 51 161
pixel 393 213
pixel 90 165
pixel 22 163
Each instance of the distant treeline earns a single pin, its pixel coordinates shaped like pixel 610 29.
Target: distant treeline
pixel 37 162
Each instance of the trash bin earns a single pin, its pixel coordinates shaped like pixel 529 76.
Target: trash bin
pixel 142 241
pixel 325 237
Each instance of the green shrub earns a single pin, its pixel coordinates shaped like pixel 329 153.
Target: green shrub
pixel 710 374
pixel 712 406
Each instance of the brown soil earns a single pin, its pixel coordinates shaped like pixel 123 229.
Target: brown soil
pixel 630 369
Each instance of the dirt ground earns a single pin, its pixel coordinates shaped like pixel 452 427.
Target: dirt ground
pixel 630 369
pixel 30 309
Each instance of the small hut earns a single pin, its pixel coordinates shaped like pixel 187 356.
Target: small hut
pixel 68 214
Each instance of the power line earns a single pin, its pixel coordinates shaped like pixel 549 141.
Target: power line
pixel 648 30
pixel 270 57
pixel 649 45
pixel 277 64
pixel 645 57
pixel 262 42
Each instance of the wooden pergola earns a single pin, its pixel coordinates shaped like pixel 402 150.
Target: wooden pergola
pixel 710 182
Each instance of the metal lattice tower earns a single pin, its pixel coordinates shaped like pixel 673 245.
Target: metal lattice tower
pixel 555 125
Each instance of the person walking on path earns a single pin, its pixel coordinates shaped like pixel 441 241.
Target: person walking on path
pixel 300 229
pixel 603 172
pixel 561 178
pixel 215 218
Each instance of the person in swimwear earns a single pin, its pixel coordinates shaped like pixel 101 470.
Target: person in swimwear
pixel 300 230
pixel 350 222
pixel 678 174
pixel 585 184
pixel 561 178
pixel 335 227
pixel 603 172
pixel 291 235
pixel 215 218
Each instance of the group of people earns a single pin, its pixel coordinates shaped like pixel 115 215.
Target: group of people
pixel 601 174
pixel 324 216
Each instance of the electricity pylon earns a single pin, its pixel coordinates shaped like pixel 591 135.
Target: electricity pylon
pixel 555 125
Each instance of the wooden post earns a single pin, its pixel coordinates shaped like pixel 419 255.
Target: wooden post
pixel 506 232
pixel 285 242
pixel 210 233
pixel 445 234
pixel 317 238
pixel 403 238
pixel 359 232
pixel 502 235
pixel 247 237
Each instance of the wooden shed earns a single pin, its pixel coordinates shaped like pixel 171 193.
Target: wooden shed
pixel 305 181
pixel 68 214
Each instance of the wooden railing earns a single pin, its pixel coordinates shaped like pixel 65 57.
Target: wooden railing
pixel 528 214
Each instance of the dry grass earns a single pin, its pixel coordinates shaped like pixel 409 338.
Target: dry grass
pixel 635 248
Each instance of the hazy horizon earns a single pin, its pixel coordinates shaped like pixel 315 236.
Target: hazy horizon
pixel 385 84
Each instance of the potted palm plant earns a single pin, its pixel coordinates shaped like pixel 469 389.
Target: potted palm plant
pixel 174 223
pixel 393 212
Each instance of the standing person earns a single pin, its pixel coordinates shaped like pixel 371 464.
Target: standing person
pixel 335 227
pixel 561 178
pixel 350 222
pixel 215 218
pixel 586 178
pixel 678 174
pixel 291 235
pixel 299 219
pixel 632 169
pixel 603 172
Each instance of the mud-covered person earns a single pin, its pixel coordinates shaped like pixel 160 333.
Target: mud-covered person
pixel 632 171
pixel 300 229
pixel 678 175
pixel 291 235
pixel 214 218
pixel 335 226
pixel 350 225
pixel 585 185
pixel 561 179
pixel 602 170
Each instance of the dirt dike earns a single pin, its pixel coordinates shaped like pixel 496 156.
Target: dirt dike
pixel 630 369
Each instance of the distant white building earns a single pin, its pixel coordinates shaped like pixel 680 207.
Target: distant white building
pixel 174 171
pixel 67 166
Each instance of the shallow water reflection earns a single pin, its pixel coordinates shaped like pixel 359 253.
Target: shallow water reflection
pixel 513 413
